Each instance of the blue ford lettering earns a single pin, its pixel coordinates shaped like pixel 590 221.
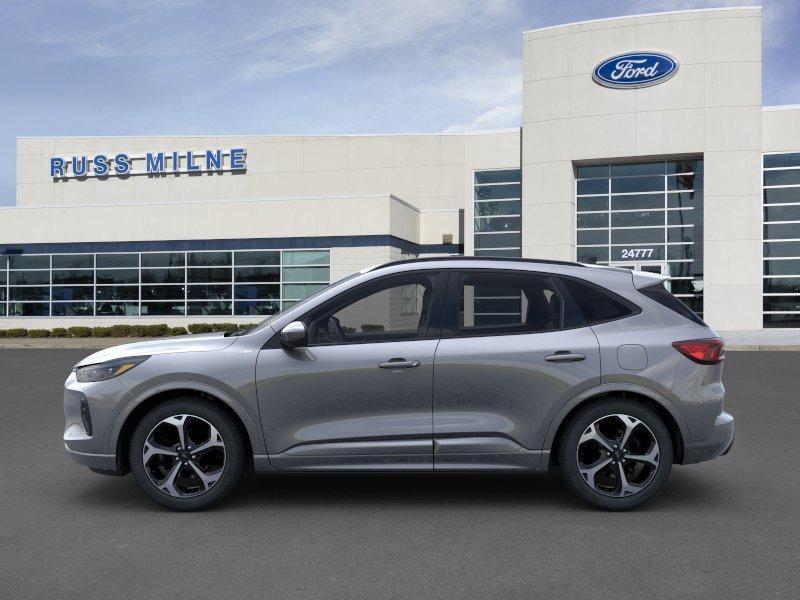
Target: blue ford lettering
pixel 635 70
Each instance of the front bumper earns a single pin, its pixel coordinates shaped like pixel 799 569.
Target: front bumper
pixel 89 411
pixel 718 443
pixel 100 463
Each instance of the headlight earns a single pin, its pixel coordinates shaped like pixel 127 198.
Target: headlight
pixel 108 370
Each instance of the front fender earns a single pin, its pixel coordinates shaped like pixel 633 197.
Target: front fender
pixel 252 428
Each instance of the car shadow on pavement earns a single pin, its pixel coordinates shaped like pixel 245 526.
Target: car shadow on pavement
pixel 491 490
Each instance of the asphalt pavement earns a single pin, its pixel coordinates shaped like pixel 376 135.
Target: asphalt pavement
pixel 729 528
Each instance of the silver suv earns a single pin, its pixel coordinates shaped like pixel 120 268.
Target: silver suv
pixel 453 364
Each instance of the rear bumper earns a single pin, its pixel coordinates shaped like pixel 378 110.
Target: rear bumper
pixel 718 443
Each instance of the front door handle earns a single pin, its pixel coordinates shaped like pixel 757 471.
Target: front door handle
pixel 565 356
pixel 399 363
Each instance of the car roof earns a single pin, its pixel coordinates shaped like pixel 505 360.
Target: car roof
pixel 491 262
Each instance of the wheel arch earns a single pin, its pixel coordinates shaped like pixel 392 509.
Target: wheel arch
pixel 666 411
pixel 136 409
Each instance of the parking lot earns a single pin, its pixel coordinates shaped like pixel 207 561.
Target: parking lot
pixel 729 528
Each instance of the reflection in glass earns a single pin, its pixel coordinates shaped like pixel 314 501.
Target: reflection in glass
pixel 257 308
pixel 72 292
pixel 73 277
pixel 73 261
pixel 117 309
pixel 29 278
pixel 113 261
pixel 72 309
pixel 26 261
pixel 118 276
pixel 117 292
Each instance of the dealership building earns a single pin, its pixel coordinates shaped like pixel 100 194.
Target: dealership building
pixel 644 144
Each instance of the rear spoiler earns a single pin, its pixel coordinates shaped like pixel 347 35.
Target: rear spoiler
pixel 643 279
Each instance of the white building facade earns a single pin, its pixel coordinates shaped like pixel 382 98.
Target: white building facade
pixel 679 171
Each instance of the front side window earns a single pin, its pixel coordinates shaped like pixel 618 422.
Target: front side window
pixel 395 309
pixel 508 303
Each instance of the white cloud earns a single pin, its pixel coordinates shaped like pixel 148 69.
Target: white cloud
pixel 497 117
pixel 333 33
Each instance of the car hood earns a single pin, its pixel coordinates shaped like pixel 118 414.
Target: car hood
pixel 204 342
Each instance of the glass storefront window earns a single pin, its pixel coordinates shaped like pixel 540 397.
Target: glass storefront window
pixel 163 259
pixel 66 292
pixel 23 261
pixel 117 276
pixel 29 278
pixel 208 259
pixel 644 215
pixel 497 226
pixel 258 258
pixel 306 257
pixel 73 261
pixel 246 282
pixel 781 300
pixel 163 275
pixel 116 261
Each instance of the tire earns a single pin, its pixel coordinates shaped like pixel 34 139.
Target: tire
pixel 188 481
pixel 591 438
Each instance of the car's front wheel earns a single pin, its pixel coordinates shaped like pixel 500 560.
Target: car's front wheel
pixel 187 453
pixel 615 453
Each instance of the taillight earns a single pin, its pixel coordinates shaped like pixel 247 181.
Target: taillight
pixel 704 352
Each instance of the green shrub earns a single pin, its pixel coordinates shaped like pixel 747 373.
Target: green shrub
pixel 101 332
pixel 138 331
pixel 80 332
pixel 38 333
pixel 120 330
pixel 59 332
pixel 16 332
pixel 224 327
pixel 157 330
pixel 2 333
pixel 177 331
pixel 200 328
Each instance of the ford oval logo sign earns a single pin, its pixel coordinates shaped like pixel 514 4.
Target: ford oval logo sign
pixel 635 70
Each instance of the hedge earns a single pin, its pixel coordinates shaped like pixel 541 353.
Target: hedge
pixel 118 331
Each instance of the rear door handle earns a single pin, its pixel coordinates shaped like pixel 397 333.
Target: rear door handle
pixel 565 356
pixel 399 363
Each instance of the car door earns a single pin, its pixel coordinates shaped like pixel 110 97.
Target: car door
pixel 514 349
pixel 359 395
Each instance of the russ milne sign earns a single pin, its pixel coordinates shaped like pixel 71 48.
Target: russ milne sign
pixel 635 70
pixel 122 164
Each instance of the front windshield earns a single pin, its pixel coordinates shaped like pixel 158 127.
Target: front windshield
pixel 275 316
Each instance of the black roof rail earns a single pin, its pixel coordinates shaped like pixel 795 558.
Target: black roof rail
pixel 480 258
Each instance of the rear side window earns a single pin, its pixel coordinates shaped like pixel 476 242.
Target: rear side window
pixel 498 303
pixel 599 305
pixel 661 294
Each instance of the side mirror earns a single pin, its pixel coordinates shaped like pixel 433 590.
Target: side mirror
pixel 294 335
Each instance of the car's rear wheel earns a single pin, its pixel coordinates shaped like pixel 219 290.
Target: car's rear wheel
pixel 615 453
pixel 187 453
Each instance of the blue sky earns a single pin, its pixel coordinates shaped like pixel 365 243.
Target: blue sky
pixel 109 67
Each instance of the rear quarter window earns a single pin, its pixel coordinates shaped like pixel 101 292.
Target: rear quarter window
pixel 661 294
pixel 599 305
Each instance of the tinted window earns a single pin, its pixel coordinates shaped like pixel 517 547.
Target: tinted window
pixel 598 305
pixel 660 294
pixel 507 303
pixel 393 310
